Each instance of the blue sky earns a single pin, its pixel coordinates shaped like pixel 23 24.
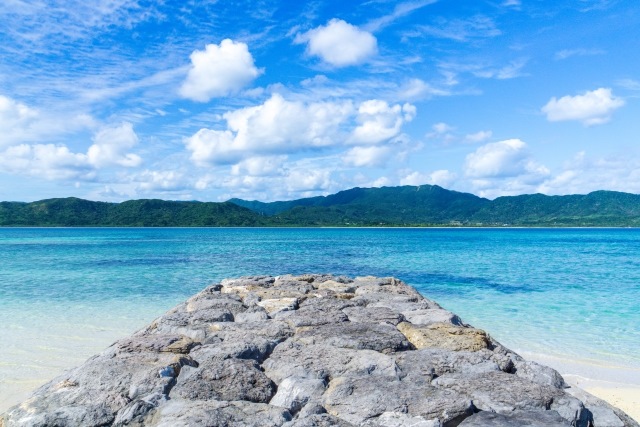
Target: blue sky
pixel 272 100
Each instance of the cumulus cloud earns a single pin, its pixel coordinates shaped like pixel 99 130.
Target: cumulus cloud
pixel 368 156
pixel 279 126
pixel 151 181
pixel 504 168
pixel 219 70
pixel 110 144
pixel 442 177
pixel 48 161
pixel 591 108
pixel 380 121
pixel 339 43
pixel 57 162
pixel 502 159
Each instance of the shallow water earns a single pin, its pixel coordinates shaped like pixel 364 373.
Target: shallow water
pixel 68 293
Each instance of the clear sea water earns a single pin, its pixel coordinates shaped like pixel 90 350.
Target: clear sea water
pixel 68 293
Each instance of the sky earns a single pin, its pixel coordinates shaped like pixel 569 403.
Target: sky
pixel 276 100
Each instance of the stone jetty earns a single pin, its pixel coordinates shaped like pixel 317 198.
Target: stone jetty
pixel 311 351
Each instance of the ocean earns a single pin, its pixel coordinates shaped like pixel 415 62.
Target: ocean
pixel 67 293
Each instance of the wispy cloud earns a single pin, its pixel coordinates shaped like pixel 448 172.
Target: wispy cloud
pixel 568 53
pixel 400 10
pixel 461 30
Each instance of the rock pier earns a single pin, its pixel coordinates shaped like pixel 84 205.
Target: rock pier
pixel 311 351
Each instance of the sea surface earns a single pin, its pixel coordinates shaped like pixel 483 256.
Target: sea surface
pixel 67 293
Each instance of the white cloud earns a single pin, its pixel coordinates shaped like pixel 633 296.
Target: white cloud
pixel 382 181
pixel 400 10
pixel 568 53
pixel 110 144
pixel 297 179
pixel 279 126
pixel 590 108
pixel 502 159
pixel 512 3
pixel 443 132
pixel 150 181
pixel 219 70
pixel 380 122
pixel 301 180
pixel 462 30
pixel 339 43
pixel 479 136
pixel 509 71
pixel 582 174
pixel 47 161
pixel 20 123
pixel 260 166
pixel 442 128
pixel 15 119
pixel 629 84
pixel 443 178
pixel 367 156
pixel 417 89
pixel 57 162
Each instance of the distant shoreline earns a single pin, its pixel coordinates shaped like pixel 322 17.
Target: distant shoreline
pixel 427 206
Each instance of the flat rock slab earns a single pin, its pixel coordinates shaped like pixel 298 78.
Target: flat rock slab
pixel 310 351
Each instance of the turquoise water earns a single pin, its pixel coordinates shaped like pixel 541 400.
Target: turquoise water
pixel 64 293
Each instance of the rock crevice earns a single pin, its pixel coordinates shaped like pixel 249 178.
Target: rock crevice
pixel 305 351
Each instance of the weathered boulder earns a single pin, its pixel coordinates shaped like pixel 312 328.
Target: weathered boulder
pixel 444 335
pixel 310 351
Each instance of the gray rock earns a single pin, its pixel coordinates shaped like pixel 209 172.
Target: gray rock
pixel 318 420
pixel 294 393
pixel 572 410
pixel 373 315
pixel 325 362
pixel 500 392
pixel 539 374
pixel 360 399
pixel 182 413
pixel 312 315
pixel 603 413
pixel 399 419
pixel 432 362
pixel 274 306
pixel 227 379
pixel 516 418
pixel 251 315
pixel 358 336
pixel 433 315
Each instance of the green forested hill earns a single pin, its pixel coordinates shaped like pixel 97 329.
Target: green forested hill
pixel 424 205
pixel 70 212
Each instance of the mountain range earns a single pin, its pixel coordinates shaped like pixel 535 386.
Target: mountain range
pixel 425 205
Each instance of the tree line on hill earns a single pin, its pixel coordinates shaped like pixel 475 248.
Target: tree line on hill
pixel 425 205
